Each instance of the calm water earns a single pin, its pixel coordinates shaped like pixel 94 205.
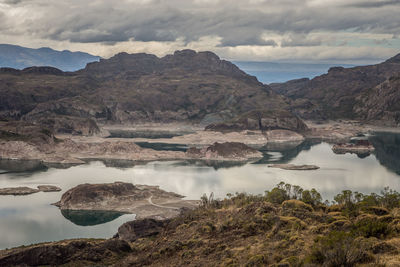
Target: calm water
pixel 31 219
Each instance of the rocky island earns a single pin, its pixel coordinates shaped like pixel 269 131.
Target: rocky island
pixel 232 151
pixel 361 147
pixel 142 200
pixel 294 167
pixel 23 190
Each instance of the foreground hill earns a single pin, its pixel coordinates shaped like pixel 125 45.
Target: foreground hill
pixel 133 88
pixel 288 226
pixel 367 93
pixel 18 57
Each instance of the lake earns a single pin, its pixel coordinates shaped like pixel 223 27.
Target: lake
pixel 31 219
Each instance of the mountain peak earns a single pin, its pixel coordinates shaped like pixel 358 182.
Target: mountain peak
pixel 395 59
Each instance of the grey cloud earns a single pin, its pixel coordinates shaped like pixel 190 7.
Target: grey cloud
pixel 300 40
pixel 235 22
pixel 374 4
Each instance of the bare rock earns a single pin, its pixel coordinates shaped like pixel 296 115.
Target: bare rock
pixel 23 190
pixel 18 191
pixel 262 120
pixel 130 231
pixel 361 147
pixel 294 167
pixel 49 188
pixel 224 151
pixel 63 252
pixel 143 200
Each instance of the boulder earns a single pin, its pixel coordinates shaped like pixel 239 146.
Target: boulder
pixel 130 231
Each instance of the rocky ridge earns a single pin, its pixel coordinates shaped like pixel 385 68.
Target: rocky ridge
pixel 366 93
pixel 125 89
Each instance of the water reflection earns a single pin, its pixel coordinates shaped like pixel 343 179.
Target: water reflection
pixel 282 153
pixel 387 150
pixel 21 166
pixel 29 219
pixel 144 134
pixel 90 217
pixel 163 146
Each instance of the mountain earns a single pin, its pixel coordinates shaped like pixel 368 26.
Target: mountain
pixel 18 57
pixel 369 93
pixel 277 72
pixel 134 88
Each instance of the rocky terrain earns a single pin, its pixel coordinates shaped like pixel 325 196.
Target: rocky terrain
pixel 132 88
pixel 288 226
pixel 21 191
pixel 224 151
pixel 142 200
pixel 360 148
pixel 262 120
pixel 293 167
pixel 367 93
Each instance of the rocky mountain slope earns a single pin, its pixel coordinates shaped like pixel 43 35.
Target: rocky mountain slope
pixel 185 86
pixel 18 57
pixel 365 92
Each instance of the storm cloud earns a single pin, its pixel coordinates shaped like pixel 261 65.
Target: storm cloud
pixel 239 29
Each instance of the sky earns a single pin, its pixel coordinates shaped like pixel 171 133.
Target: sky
pixel 343 31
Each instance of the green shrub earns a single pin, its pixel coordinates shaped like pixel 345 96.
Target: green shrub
pixel 371 227
pixel 257 260
pixel 338 248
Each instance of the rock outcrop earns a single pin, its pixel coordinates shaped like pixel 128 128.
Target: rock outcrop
pixel 362 147
pixel 133 230
pixel 63 252
pixel 262 120
pixel 224 151
pixel 142 200
pixel 293 167
pixel 23 190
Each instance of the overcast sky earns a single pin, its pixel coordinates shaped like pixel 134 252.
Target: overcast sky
pixel 345 31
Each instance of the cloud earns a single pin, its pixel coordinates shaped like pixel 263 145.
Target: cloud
pixel 374 4
pixel 108 25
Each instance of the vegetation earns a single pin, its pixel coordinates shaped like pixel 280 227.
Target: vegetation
pixel 286 226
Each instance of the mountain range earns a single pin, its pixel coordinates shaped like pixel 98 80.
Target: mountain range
pixel 134 88
pixel 367 93
pixel 194 87
pixel 18 57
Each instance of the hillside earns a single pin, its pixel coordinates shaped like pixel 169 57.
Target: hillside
pixel 18 57
pixel 365 92
pixel 133 88
pixel 288 226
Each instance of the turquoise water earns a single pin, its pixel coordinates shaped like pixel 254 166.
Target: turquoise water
pixel 31 219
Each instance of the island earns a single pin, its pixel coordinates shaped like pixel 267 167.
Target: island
pixel 144 201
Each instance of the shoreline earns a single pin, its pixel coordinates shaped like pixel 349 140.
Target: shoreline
pixel 75 150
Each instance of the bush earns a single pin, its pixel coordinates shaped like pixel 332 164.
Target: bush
pixel 371 227
pixel 296 204
pixel 257 260
pixel 338 249
pixel 276 196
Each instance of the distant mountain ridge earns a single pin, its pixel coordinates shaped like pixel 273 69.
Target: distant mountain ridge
pixel 18 57
pixel 367 93
pixel 278 72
